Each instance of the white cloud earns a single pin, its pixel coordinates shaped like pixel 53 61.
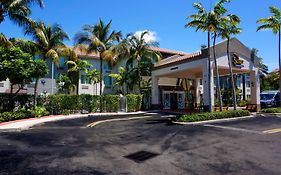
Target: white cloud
pixel 150 37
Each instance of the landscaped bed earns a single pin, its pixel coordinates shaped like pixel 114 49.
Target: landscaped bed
pixel 63 104
pixel 271 110
pixel 212 116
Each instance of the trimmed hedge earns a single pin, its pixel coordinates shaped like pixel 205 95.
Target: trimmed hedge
pixel 271 110
pixel 9 101
pixel 67 104
pixel 212 116
pixel 111 103
pixel 134 102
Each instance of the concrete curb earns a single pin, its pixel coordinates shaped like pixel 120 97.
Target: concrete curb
pixel 214 121
pixel 91 125
pixel 24 124
pixel 279 114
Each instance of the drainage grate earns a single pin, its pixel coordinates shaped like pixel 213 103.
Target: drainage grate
pixel 141 156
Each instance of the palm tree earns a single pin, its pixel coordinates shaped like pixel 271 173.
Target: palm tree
pixel 100 40
pixel 274 23
pixel 209 22
pixel 17 11
pixel 121 79
pixel 139 51
pixel 77 67
pixel 93 75
pixel 4 42
pixel 49 41
pixel 228 28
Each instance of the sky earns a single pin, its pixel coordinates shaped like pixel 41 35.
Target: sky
pixel 164 19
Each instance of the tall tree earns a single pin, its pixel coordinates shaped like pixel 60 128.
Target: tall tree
pixel 17 11
pixel 49 42
pixel 77 67
pixel 94 76
pixel 101 40
pixel 139 51
pixel 273 23
pixel 121 80
pixel 209 21
pixel 228 28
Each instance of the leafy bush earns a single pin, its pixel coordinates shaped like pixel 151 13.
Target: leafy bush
pixel 271 110
pixel 111 103
pixel 134 102
pixel 38 111
pixel 242 103
pixel 8 102
pixel 212 116
pixel 9 116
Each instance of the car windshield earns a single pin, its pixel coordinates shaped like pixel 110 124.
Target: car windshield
pixel 267 96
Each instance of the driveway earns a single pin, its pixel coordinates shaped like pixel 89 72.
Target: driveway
pixel 146 146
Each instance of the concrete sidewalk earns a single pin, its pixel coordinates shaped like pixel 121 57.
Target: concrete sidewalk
pixel 19 125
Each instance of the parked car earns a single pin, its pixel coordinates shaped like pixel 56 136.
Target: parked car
pixel 270 98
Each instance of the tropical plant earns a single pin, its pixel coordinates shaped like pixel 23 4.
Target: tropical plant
pixel 4 42
pixel 94 76
pixel 49 42
pixel 274 23
pixel 79 65
pixel 229 27
pixel 121 80
pixel 17 11
pixel 101 40
pixel 209 22
pixel 65 84
pixel 139 51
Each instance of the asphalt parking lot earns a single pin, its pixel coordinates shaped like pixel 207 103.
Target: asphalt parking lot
pixel 145 146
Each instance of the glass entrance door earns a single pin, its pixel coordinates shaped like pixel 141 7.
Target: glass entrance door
pixel 166 100
pixel 181 100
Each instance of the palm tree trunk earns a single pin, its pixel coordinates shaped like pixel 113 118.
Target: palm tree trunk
pixel 101 73
pixel 53 72
pixel 35 92
pixel 217 72
pixel 279 56
pixel 231 77
pixel 139 72
pixel 209 71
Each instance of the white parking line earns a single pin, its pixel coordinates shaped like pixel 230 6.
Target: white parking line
pixel 234 129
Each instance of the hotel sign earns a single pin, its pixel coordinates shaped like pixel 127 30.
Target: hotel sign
pixel 236 61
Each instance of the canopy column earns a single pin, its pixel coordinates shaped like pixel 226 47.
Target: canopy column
pixel 155 92
pixel 208 87
pixel 255 88
pixel 197 91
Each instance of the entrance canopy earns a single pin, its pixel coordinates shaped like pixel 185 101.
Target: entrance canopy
pixel 195 66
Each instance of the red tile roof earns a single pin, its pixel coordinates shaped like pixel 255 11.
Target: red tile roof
pixel 173 52
pixel 177 58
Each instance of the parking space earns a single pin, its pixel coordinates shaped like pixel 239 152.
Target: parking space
pixel 259 125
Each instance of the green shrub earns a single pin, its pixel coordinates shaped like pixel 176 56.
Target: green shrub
pixel 134 102
pixel 39 111
pixel 242 103
pixel 9 101
pixel 110 103
pixel 9 116
pixel 212 116
pixel 271 110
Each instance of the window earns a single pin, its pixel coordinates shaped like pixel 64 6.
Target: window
pixel 238 82
pixel 107 81
pixel 85 80
pixel 62 63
